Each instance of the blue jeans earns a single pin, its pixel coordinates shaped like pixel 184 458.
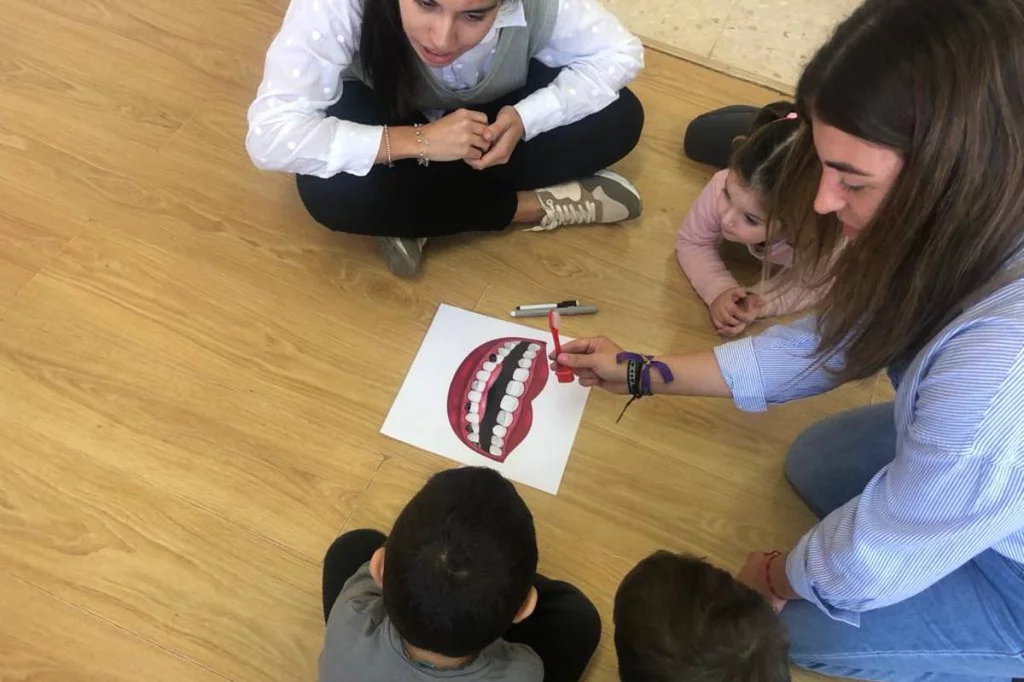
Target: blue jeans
pixel 968 627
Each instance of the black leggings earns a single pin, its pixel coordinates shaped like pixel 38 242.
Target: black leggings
pixel 410 200
pixel 563 630
pixel 709 136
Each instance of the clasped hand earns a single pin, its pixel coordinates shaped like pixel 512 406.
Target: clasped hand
pixel 733 310
pixel 466 135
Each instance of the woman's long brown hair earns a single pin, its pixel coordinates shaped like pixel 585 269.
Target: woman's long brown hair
pixel 389 60
pixel 942 83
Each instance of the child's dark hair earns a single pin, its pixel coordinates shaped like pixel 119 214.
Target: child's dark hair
pixel 680 619
pixel 459 562
pixel 758 158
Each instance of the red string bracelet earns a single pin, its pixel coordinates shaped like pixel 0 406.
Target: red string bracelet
pixel 772 556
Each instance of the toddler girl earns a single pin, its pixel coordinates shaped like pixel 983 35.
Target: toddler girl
pixel 735 206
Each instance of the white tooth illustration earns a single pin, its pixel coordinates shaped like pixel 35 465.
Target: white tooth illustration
pixel 483 376
pixel 473 418
pixel 533 347
pixel 475 428
pixel 474 396
pixel 473 438
pixel 489 366
pixel 515 388
pixel 496 451
pixel 530 355
pixel 520 375
pixel 474 407
pixel 499 430
pixel 502 352
pixel 504 418
pixel 498 441
pixel 478 386
pixel 510 344
pixel 509 404
pixel 525 364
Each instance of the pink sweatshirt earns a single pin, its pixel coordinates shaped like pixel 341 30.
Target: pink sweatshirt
pixel 697 250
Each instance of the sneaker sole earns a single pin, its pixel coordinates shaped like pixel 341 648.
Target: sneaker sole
pixel 612 175
pixel 400 262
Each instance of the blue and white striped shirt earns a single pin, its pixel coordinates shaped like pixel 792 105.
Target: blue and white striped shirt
pixel 956 485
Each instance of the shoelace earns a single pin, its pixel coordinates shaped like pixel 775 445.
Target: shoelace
pixel 557 214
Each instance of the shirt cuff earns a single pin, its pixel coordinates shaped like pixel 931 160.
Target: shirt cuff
pixel 796 573
pixel 738 364
pixel 355 147
pixel 540 111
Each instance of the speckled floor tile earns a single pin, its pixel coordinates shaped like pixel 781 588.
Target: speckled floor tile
pixel 691 26
pixel 773 39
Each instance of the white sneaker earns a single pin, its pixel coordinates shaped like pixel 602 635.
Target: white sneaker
pixel 403 255
pixel 604 197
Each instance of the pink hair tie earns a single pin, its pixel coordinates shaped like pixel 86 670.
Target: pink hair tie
pixel 790 116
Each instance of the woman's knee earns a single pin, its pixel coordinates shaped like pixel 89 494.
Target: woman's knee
pixel 831 462
pixel 812 635
pixel 318 203
pixel 577 613
pixel 810 469
pixel 589 621
pixel 355 543
pixel 629 119
pixel 804 459
pixel 340 203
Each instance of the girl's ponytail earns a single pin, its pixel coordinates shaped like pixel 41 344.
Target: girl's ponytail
pixel 758 158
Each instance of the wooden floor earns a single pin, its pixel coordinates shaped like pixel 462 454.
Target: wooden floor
pixel 194 373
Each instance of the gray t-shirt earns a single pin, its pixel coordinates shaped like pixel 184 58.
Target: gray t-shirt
pixel 362 645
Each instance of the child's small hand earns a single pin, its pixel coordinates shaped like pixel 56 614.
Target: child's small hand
pixel 733 310
pixel 751 306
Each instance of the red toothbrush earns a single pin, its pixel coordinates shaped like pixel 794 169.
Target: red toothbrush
pixel 563 373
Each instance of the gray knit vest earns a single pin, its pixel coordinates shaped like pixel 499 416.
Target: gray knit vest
pixel 517 45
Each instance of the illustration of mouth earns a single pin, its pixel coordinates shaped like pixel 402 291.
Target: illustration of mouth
pixel 491 395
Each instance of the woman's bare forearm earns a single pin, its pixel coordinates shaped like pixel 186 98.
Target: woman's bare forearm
pixel 694 374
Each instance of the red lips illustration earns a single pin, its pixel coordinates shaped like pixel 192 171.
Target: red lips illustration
pixel 491 395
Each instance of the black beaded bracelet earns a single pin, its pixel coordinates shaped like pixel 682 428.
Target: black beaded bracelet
pixel 633 378
pixel 638 376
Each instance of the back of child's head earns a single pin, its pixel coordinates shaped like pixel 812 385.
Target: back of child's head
pixel 459 562
pixel 758 158
pixel 679 619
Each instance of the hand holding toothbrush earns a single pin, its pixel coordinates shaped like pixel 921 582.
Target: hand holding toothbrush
pixel 565 374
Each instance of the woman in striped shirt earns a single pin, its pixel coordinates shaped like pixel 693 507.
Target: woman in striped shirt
pixel 914 151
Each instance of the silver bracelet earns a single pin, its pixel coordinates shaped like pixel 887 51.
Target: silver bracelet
pixel 387 146
pixel 423 143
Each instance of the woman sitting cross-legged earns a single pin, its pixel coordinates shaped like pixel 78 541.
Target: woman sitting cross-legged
pixel 409 119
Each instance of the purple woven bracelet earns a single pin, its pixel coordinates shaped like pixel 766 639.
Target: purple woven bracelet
pixel 647 362
pixel 642 364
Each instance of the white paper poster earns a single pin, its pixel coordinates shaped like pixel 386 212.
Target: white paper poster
pixel 480 392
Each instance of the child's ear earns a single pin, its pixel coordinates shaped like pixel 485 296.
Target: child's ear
pixel 377 567
pixel 529 604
